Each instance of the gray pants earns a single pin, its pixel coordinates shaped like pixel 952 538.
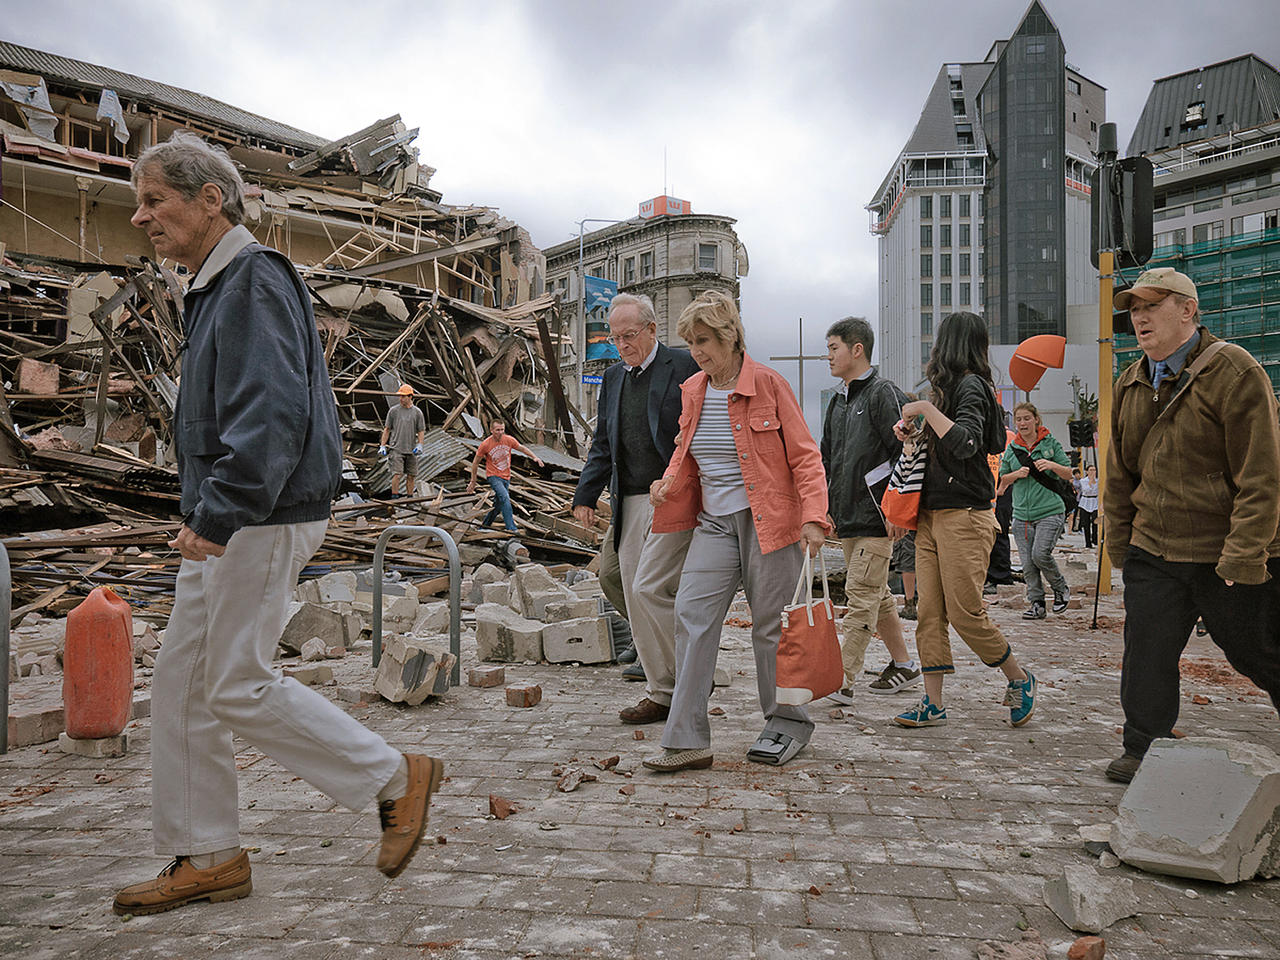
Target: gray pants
pixel 1035 547
pixel 723 554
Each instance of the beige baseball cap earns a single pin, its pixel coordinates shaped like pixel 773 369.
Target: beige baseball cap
pixel 1156 284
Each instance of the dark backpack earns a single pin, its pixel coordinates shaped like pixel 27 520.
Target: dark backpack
pixel 1050 481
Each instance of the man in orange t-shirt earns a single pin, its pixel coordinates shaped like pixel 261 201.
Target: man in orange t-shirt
pixel 495 450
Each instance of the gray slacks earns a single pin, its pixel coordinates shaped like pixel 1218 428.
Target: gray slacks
pixel 723 554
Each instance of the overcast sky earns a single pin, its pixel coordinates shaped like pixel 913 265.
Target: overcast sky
pixel 784 116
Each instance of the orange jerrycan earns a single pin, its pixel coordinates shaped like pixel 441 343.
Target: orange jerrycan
pixel 97 667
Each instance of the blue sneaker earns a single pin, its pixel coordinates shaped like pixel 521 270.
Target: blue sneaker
pixel 923 714
pixel 1020 698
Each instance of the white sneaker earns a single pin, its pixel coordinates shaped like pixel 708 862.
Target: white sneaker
pixel 844 696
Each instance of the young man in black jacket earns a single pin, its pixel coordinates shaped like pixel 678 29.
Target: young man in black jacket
pixel 858 451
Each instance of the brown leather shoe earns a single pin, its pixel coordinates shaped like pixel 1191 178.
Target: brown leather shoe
pixel 180 883
pixel 646 711
pixel 404 820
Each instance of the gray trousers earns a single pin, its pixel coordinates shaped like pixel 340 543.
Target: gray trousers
pixel 723 554
pixel 1035 546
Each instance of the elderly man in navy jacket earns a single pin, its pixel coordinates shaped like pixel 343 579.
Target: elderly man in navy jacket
pixel 636 425
pixel 259 456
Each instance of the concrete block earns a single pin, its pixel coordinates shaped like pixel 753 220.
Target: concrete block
pixel 535 587
pixel 116 746
pixel 485 574
pixel 1087 901
pixel 486 676
pixel 524 695
pixel 495 593
pixel 431 617
pixel 412 669
pixel 721 678
pixel 571 609
pixel 356 694
pixel 400 609
pixel 583 639
pixel 337 587
pixel 308 591
pixel 310 676
pixel 145 640
pixel 502 635
pixel 587 585
pixel 1202 807
pixel 307 620
pixel 314 649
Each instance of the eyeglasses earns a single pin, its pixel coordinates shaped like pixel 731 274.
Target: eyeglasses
pixel 627 338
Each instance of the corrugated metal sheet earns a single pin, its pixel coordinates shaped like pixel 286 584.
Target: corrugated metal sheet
pixel 440 451
pixel 1245 92
pixel 64 70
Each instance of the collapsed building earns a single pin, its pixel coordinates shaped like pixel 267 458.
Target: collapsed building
pixel 406 288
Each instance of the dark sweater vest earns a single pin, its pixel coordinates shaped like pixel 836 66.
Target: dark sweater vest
pixel 639 463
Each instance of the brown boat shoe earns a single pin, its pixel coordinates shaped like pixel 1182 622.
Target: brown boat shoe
pixel 646 711
pixel 403 820
pixel 181 883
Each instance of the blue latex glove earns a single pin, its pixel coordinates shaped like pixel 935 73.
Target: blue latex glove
pixel 382 451
pixel 417 448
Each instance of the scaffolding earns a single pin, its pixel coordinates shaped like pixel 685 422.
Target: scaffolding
pixel 1238 281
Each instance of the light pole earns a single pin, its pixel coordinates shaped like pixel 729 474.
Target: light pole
pixel 580 337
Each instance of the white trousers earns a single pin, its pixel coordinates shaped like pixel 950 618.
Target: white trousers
pixel 650 564
pixel 213 679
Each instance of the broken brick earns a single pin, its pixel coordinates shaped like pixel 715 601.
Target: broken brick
pixel 524 695
pixel 1087 948
pixel 501 808
pixel 486 676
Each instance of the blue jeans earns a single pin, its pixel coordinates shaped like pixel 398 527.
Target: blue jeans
pixel 501 503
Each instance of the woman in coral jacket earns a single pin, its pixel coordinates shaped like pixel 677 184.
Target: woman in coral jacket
pixel 747 477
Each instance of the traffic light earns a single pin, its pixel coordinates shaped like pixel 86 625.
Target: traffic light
pixel 1081 433
pixel 1074 457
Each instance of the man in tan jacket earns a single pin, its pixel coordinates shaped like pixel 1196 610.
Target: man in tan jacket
pixel 1192 506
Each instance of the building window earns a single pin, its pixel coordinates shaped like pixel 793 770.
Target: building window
pixel 944 205
pixel 926 235
pixel 944 235
pixel 926 206
pixel 926 294
pixel 1073 86
pixel 964 234
pixel 945 290
pixel 926 265
pixel 646 266
pixel 596 270
pixel 964 264
pixel 926 324
pixel 964 204
pixel 707 256
pixel 944 265
pixel 964 294
pixel 629 270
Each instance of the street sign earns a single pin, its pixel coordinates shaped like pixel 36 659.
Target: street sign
pixel 594 378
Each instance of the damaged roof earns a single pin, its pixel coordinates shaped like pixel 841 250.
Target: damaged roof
pixel 94 77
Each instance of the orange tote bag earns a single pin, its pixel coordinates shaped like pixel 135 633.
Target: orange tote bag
pixel 809 665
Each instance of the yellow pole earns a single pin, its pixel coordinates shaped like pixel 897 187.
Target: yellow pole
pixel 1106 269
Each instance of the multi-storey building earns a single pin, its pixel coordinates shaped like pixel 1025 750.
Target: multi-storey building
pixel 986 207
pixel 666 251
pixel 1213 137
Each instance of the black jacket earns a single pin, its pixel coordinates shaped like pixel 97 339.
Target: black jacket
pixel 857 437
pixel 671 367
pixel 957 474
pixel 256 427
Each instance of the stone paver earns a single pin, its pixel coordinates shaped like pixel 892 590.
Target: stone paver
pixel 875 842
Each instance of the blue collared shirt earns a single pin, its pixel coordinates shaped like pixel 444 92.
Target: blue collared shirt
pixel 1175 361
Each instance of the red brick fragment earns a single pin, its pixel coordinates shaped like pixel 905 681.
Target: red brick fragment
pixel 486 676
pixel 627 790
pixel 1087 948
pixel 524 695
pixel 501 807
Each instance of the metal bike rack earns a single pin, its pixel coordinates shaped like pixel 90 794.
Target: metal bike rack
pixel 6 607
pixel 455 592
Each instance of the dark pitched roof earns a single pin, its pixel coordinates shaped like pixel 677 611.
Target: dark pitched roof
pixel 63 71
pixel 1244 93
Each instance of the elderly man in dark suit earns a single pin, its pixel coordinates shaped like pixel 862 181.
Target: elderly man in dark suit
pixel 636 425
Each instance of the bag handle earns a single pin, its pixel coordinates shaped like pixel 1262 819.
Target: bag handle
pixel 804 586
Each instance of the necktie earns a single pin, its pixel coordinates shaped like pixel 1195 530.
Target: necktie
pixel 1159 369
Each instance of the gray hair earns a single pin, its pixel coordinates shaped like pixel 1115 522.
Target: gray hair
pixel 853 330
pixel 187 163
pixel 637 300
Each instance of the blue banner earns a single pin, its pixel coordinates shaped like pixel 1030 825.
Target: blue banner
pixel 599 294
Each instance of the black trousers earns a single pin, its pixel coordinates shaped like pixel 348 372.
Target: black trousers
pixel 1162 601
pixel 999 564
pixel 1087 520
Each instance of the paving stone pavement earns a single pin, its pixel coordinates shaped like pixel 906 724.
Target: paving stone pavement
pixel 876 842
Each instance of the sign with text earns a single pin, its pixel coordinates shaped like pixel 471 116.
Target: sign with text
pixel 592 379
pixel 664 207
